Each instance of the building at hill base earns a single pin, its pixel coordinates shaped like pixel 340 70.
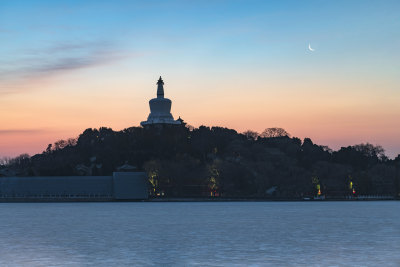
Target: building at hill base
pixel 121 186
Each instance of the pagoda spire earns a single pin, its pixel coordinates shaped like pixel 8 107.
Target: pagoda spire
pixel 160 88
pixel 160 109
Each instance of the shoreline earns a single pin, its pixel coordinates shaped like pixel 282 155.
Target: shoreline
pixel 187 199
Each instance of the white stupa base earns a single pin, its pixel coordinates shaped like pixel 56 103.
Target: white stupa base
pixel 159 121
pixel 160 109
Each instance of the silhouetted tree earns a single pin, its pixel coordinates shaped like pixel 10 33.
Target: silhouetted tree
pixel 274 132
pixel 371 151
pixel 251 135
pixel 397 178
pixel 191 162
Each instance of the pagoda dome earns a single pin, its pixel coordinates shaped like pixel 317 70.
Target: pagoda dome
pixel 160 108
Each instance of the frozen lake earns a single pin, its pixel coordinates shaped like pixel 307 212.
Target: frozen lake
pixel 200 234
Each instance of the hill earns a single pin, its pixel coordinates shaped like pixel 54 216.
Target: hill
pixel 185 161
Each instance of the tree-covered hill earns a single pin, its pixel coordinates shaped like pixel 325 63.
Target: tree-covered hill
pixel 185 161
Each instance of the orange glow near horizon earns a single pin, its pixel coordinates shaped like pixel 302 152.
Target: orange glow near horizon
pixel 62 108
pixel 69 66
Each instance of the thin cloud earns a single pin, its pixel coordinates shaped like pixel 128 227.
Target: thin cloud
pixel 69 46
pixel 53 60
pixel 70 63
pixel 20 131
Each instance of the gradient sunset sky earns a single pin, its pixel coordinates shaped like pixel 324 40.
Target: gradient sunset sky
pixel 70 65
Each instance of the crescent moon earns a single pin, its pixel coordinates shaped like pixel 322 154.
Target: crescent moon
pixel 309 47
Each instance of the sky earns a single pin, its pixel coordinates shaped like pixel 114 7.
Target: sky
pixel 66 66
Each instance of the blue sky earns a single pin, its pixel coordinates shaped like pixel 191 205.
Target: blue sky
pixel 213 49
pixel 222 32
pixel 213 33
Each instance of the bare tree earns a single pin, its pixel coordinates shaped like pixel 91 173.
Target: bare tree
pixel 274 132
pixel 60 144
pixel 251 135
pixel 72 141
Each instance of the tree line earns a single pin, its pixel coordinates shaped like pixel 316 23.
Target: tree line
pixel 183 161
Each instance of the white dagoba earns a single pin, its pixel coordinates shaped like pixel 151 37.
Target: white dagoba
pixel 160 108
